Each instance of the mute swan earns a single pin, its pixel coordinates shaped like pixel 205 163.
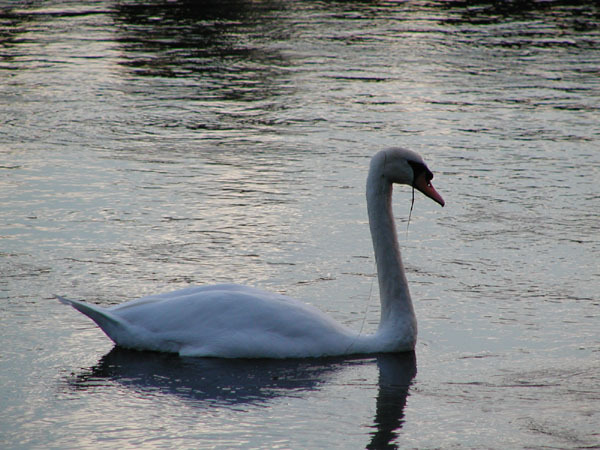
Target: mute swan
pixel 234 321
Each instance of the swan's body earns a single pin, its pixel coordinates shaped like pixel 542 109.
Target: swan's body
pixel 234 321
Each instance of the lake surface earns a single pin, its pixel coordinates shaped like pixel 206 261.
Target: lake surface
pixel 147 146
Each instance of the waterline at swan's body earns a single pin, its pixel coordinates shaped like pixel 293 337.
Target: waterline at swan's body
pixel 235 321
pixel 231 321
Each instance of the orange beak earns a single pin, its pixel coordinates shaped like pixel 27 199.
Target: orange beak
pixel 423 185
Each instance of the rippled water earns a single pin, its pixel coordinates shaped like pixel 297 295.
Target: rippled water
pixel 145 146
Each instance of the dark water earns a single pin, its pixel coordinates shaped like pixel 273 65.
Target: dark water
pixel 145 146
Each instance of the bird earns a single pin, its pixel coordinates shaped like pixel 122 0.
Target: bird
pixel 238 321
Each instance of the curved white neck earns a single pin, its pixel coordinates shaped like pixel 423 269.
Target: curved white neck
pixel 397 313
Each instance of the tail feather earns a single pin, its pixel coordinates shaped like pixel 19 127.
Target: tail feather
pixel 114 327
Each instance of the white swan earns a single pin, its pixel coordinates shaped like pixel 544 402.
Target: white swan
pixel 234 321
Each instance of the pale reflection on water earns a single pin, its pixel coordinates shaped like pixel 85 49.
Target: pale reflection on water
pixel 148 145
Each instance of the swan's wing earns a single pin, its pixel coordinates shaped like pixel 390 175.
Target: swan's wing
pixel 222 320
pixel 233 321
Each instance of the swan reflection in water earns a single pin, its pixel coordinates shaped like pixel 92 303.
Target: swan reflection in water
pixel 216 382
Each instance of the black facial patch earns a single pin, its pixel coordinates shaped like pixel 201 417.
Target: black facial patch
pixel 420 168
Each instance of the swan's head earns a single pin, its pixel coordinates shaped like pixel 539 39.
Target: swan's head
pixel 402 166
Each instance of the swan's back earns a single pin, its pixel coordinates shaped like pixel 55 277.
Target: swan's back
pixel 230 321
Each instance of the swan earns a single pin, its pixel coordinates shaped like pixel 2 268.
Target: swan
pixel 235 321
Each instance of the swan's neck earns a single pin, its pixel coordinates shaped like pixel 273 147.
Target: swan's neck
pixel 397 313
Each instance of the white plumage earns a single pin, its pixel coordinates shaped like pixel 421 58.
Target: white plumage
pixel 234 321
